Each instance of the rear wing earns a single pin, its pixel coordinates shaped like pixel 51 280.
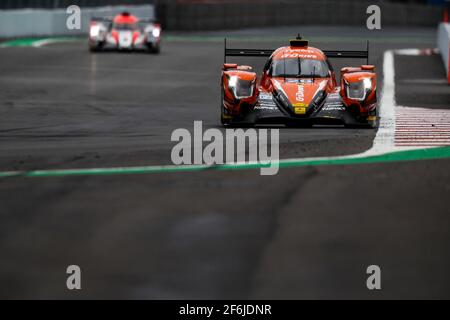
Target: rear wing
pixel 348 54
pixel 102 19
pixel 110 19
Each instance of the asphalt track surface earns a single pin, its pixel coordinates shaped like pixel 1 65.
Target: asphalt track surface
pixel 307 232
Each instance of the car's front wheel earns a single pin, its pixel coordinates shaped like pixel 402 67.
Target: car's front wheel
pixel 95 46
pixel 154 49
pixel 225 119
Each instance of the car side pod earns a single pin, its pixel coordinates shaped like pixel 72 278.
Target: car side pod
pixel 239 90
pixel 359 92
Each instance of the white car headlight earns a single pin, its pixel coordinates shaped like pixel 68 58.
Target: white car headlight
pixel 367 83
pixel 156 32
pixel 232 82
pixel 241 88
pixel 95 31
pixel 359 90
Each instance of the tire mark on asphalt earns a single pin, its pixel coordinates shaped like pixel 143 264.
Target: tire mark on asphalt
pixel 277 210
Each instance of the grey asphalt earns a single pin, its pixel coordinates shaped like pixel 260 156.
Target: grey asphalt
pixel 307 232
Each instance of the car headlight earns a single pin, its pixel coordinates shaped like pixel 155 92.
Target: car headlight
pixel 95 31
pixel 358 90
pixel 241 88
pixel 367 83
pixel 156 32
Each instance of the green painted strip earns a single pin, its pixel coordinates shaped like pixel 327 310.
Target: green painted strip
pixel 29 42
pixel 409 155
pixel 18 43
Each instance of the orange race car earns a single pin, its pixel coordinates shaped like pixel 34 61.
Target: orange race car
pixel 298 87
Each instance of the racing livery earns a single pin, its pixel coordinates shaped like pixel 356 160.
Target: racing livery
pixel 298 87
pixel 124 32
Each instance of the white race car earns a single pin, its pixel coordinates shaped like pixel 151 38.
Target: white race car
pixel 124 32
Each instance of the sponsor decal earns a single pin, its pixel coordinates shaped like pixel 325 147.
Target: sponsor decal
pixel 334 107
pixel 265 102
pixel 266 107
pixel 300 95
pixel 299 81
pixel 300 110
pixel 334 96
pixel 265 96
pixel 304 51
pixel 298 55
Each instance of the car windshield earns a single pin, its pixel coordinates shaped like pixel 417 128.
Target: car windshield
pixel 125 26
pixel 300 68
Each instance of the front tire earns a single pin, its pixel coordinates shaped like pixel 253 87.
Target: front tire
pixel 154 49
pixel 224 119
pixel 373 124
pixel 373 119
pixel 95 47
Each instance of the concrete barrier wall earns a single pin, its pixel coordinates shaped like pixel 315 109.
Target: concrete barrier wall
pixel 215 16
pixel 36 22
pixel 444 46
pixel 55 4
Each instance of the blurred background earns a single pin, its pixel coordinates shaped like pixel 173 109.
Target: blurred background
pixel 16 18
